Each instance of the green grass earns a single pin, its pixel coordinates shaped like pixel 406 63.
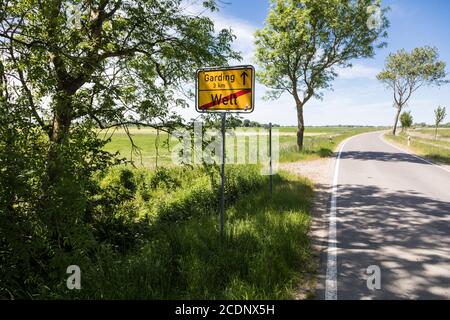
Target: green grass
pixel 438 151
pixel 148 142
pixel 264 254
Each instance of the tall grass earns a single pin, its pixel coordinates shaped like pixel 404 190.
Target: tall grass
pixel 442 132
pixel 264 254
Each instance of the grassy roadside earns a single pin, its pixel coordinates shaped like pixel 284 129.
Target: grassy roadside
pixel 265 253
pixel 316 147
pixel 163 225
pixel 437 151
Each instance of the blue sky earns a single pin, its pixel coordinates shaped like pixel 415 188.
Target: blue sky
pixel 357 97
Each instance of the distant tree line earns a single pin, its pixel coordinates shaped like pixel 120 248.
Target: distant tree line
pixel 236 122
pixel 426 125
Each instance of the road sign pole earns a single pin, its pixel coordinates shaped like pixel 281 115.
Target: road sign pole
pixel 230 89
pixel 222 173
pixel 270 158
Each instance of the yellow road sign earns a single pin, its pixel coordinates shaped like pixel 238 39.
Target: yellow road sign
pixel 225 89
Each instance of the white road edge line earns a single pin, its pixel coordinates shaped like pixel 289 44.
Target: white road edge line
pixel 381 136
pixel 331 277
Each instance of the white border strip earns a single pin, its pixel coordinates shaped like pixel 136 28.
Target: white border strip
pixel 382 138
pixel 331 277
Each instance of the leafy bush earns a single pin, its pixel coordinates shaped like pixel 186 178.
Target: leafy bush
pixel 241 180
pixel 43 222
pixel 195 201
pixel 164 179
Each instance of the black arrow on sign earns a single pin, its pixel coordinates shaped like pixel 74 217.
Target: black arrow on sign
pixel 244 75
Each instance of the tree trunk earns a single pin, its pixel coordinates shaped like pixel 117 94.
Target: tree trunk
pixel 60 128
pixel 435 135
pixel 399 110
pixel 301 125
pixel 58 135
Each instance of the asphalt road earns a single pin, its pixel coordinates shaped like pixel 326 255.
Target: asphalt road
pixel 392 211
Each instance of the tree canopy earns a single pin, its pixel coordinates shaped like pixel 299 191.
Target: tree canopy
pixel 67 68
pixel 112 61
pixel 406 72
pixel 439 115
pixel 304 41
pixel 406 120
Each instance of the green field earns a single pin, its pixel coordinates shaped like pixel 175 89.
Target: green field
pixel 442 132
pixel 153 149
pixel 156 151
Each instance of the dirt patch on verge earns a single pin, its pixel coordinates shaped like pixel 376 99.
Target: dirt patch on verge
pixel 320 172
pixel 314 170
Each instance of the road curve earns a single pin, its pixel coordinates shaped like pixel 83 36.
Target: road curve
pixel 392 211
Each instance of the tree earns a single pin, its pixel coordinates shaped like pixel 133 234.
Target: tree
pixel 440 114
pixel 114 62
pixel 406 120
pixel 304 41
pixel 405 72
pixel 67 67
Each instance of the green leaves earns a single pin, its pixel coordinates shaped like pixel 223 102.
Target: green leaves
pixel 405 72
pixel 304 40
pixel 62 73
pixel 440 113
pixel 406 120
pixel 64 47
pixel 419 66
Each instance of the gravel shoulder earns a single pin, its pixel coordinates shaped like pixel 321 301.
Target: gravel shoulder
pixel 320 172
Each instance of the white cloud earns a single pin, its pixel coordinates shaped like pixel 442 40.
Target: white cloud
pixel 244 33
pixel 401 10
pixel 243 30
pixel 358 71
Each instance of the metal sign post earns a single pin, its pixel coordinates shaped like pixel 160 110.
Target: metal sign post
pixel 270 159
pixel 222 176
